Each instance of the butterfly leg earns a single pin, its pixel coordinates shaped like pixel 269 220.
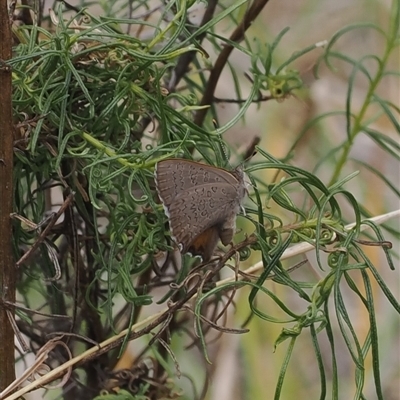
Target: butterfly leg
pixel 227 230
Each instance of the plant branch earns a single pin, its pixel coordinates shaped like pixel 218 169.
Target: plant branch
pixel 237 36
pixel 7 267
pixel 151 322
pixel 184 61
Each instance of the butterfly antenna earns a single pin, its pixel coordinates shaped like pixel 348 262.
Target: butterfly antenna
pixel 222 145
pixel 251 149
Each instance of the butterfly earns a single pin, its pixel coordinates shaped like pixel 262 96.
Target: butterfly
pixel 201 202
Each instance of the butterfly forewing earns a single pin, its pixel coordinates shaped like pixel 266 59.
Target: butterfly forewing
pixel 173 176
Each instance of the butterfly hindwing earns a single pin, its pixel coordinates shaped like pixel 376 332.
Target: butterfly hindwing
pixel 197 209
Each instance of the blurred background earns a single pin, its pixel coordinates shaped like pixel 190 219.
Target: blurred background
pixel 246 367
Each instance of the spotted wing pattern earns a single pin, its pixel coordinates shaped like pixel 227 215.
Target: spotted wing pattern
pixel 201 202
pixel 173 176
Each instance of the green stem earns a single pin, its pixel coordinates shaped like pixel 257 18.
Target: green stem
pixel 357 126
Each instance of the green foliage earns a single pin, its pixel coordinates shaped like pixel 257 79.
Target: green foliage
pixel 84 93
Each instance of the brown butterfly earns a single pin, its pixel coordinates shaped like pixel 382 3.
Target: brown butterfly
pixel 201 203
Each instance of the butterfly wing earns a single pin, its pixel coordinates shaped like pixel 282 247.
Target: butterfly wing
pixel 194 211
pixel 174 176
pixel 201 202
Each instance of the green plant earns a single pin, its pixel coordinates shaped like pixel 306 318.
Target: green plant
pixel 86 89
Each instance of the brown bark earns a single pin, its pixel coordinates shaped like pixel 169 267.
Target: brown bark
pixel 7 266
